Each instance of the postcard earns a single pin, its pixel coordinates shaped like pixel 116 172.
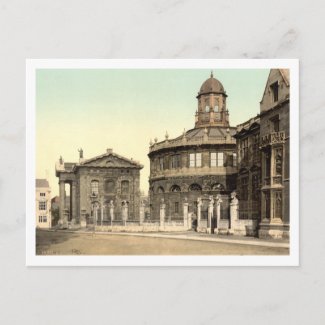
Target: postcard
pixel 162 162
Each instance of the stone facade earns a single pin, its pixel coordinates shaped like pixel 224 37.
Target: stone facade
pixel 249 169
pixel 198 164
pixel 275 150
pixel 213 159
pixel 98 186
pixel 43 204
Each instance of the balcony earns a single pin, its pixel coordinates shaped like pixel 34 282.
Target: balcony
pixel 272 138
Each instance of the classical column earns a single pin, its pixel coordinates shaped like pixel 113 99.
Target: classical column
pixel 142 208
pixel 162 212
pixel 73 202
pixel 199 205
pixel 210 214
pixel 63 220
pixel 218 203
pixel 185 214
pixel 101 210
pixel 111 210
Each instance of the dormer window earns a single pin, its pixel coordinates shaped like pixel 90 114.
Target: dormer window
pixel 275 91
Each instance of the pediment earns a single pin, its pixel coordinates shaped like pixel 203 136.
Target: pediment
pixel 111 160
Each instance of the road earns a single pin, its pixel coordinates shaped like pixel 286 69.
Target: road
pixel 68 243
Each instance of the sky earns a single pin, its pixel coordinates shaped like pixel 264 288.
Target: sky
pixel 122 109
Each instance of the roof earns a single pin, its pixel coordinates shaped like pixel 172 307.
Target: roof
pixel 42 182
pixel 109 153
pixel 211 85
pixel 285 75
pixel 211 131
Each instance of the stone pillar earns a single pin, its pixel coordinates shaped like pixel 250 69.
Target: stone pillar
pixel 189 221
pixel 218 201
pixel 162 213
pixel 111 210
pixel 185 214
pixel 199 205
pixel 83 222
pixel 142 208
pixel 124 212
pixel 233 212
pixel 101 210
pixel 210 215
pixel 63 221
pixel 73 202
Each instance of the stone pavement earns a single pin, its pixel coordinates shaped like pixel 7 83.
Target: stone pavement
pixel 192 235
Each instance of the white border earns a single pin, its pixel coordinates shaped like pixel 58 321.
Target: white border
pixel 36 260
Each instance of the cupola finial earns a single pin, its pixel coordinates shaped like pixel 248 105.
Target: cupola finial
pixel 211 74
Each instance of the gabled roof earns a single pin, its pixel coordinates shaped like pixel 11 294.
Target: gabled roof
pixel 113 160
pixel 285 74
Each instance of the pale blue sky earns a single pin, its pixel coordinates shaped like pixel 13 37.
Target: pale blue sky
pixel 124 109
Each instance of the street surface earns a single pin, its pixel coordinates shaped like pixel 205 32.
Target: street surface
pixel 74 243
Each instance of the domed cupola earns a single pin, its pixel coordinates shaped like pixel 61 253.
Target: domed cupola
pixel 211 85
pixel 212 109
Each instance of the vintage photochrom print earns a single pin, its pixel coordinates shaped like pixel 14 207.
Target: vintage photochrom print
pixel 162 162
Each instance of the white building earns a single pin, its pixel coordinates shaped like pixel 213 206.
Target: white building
pixel 43 204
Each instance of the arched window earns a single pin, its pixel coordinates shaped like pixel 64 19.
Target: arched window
pixel 195 187
pixel 94 188
pixel 160 190
pixel 109 186
pixel 125 187
pixel 175 188
pixel 217 187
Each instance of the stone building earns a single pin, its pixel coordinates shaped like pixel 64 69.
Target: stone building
pixel 249 169
pixel 275 151
pixel 43 204
pixel 96 185
pixel 200 163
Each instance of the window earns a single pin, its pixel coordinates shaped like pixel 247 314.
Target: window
pixel 94 188
pixel 213 159
pixel 244 188
pixel 125 187
pixel 234 159
pixel 192 159
pixel 161 163
pixel 42 205
pixel 195 188
pixel 175 188
pixel 198 160
pixel 176 207
pixel 216 105
pixel 220 159
pixel 275 91
pixel 109 186
pixel 245 149
pixel 275 123
pixel 207 105
pixel 176 161
pixel 42 194
pixel 42 219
